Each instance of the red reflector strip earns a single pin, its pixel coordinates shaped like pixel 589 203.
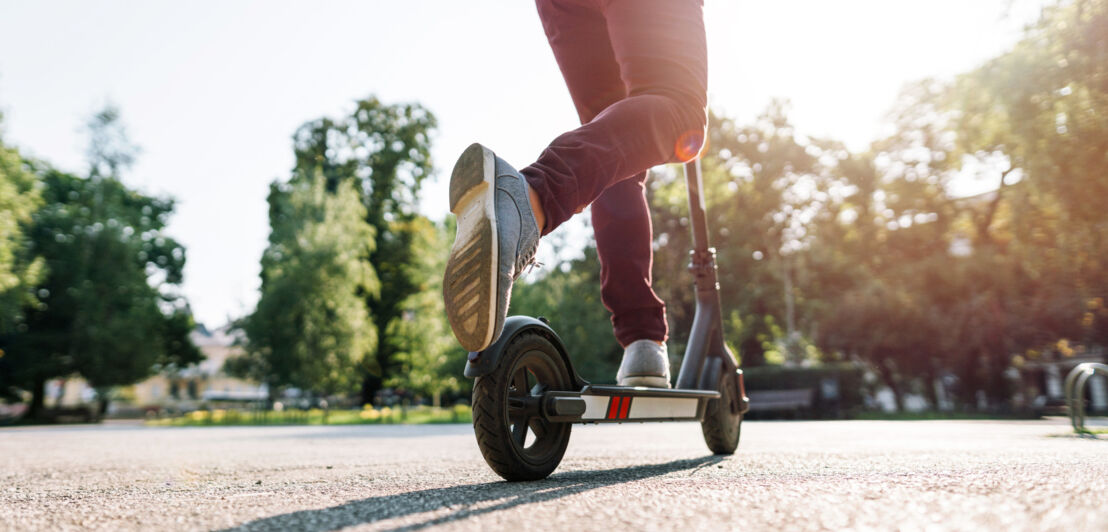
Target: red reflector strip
pixel 613 407
pixel 618 407
pixel 626 406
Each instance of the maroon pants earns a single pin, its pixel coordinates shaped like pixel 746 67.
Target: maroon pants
pixel 637 73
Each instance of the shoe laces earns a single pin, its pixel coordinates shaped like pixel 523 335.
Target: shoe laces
pixel 526 263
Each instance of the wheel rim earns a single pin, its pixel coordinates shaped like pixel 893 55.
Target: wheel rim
pixel 533 438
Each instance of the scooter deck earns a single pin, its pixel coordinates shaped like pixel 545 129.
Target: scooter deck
pixel 619 404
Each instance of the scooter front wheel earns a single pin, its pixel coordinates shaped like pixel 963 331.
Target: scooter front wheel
pixel 723 418
pixel 515 439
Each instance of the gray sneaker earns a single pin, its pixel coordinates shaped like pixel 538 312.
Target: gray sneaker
pixel 497 238
pixel 645 363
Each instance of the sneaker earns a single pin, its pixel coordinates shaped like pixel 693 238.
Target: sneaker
pixel 645 363
pixel 496 239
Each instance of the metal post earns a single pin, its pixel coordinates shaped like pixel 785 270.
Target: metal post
pixel 1068 390
pixel 1075 391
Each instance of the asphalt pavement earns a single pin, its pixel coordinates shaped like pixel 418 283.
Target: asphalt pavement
pixel 914 475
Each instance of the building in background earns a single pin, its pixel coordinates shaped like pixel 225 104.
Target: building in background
pixel 172 391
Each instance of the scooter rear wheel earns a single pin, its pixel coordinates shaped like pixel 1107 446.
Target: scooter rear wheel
pixel 516 441
pixel 723 418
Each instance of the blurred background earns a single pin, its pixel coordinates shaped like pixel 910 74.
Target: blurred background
pixel 237 211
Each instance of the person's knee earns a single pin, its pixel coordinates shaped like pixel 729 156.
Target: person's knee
pixel 689 131
pixel 694 130
pixel 689 120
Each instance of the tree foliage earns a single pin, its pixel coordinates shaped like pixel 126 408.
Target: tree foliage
pixel 377 271
pixel 19 197
pixel 384 151
pixel 428 360
pixel 311 329
pixel 107 307
pixel 974 286
pixel 825 253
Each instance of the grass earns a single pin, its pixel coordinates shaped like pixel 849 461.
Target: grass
pixel 1092 432
pixel 931 415
pixel 1086 433
pixel 418 415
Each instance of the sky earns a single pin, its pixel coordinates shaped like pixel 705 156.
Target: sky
pixel 212 91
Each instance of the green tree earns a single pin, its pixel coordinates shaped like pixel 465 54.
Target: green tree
pixel 19 271
pixel 761 182
pixel 429 360
pixel 385 152
pixel 1041 106
pixel 1030 121
pixel 1026 273
pixel 311 329
pixel 108 309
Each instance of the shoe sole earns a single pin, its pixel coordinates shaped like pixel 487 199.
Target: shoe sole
pixel 646 382
pixel 469 284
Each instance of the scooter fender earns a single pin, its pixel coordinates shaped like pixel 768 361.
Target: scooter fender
pixel 481 363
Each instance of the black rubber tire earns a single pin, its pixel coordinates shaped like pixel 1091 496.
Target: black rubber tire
pixel 721 426
pixel 537 358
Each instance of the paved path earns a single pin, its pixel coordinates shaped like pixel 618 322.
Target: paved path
pixel 786 476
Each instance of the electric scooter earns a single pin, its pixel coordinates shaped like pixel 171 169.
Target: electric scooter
pixel 527 396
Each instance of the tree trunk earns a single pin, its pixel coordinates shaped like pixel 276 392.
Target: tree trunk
pixel 969 381
pixel 752 353
pixel 270 395
pixel 890 380
pixel 38 399
pixel 371 384
pixel 102 403
pixel 791 351
pixel 929 389
pixel 998 391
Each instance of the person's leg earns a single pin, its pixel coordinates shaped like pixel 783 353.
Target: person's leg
pixel 660 48
pixel 578 35
pixel 496 211
pixel 624 244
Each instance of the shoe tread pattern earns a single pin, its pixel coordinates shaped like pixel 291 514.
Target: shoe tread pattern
pixel 466 291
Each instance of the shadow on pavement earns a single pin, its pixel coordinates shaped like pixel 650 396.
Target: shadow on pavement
pixel 504 495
